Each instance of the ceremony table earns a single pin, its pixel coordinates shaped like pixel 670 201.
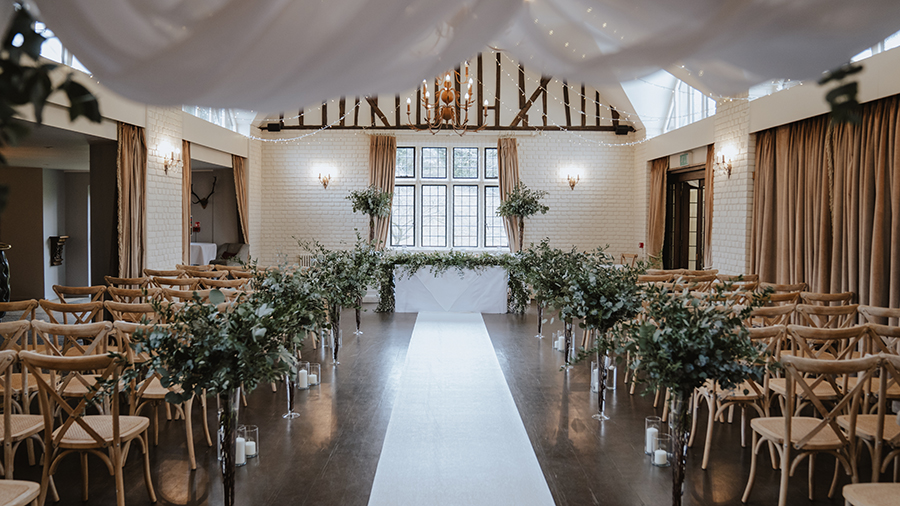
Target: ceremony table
pixel 203 252
pixel 468 291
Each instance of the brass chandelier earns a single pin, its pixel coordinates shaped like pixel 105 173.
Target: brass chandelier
pixel 447 107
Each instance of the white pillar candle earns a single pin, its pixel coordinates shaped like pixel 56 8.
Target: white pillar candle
pixel 240 457
pixel 302 379
pixel 313 379
pixel 595 379
pixel 561 344
pixel 250 447
pixel 659 457
pixel 650 444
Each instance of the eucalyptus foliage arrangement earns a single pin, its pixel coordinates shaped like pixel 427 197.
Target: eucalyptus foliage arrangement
pixel 521 203
pixel 685 341
pixel 342 277
pixel 372 201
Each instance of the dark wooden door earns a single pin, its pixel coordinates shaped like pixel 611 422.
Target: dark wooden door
pixel 683 247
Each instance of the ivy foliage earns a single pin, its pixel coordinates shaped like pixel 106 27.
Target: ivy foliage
pixel 342 276
pixel 372 201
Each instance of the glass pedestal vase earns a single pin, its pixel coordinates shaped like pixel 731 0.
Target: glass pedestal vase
pixel 292 383
pixel 358 332
pixel 680 430
pixel 540 318
pixel 228 425
pixel 336 332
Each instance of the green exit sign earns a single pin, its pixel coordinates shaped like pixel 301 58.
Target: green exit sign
pixel 683 159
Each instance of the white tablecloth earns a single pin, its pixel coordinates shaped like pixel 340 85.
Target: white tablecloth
pixel 203 252
pixel 482 291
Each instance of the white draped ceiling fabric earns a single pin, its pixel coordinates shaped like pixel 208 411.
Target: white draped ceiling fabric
pixel 272 55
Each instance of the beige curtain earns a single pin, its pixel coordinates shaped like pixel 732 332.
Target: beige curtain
pixel 827 205
pixel 508 167
pixel 708 176
pixel 866 247
pixel 186 203
pixel 239 165
pixel 792 229
pixel 382 165
pixel 132 201
pixel 656 227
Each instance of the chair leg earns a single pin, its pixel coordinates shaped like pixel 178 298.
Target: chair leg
pixel 8 459
pixel 752 477
pixel 118 464
pixel 656 399
pixel 45 481
pixel 665 415
pixel 711 404
pixel 785 473
pixel 205 421
pixel 189 430
pixel 743 426
pixel 29 445
pixel 84 477
pixel 168 412
pixel 154 421
pixel 274 387
pixel 695 401
pixel 812 473
pixel 147 480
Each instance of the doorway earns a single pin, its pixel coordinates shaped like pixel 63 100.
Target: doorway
pixel 685 195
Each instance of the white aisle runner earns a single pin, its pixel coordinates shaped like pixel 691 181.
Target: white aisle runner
pixel 455 436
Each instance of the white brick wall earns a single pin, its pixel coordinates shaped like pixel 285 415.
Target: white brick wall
pixel 164 125
pixel 733 196
pixel 293 204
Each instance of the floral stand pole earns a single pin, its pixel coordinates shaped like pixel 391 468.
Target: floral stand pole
pixel 540 316
pixel 680 428
pixel 228 422
pixel 569 344
pixel 358 316
pixel 336 329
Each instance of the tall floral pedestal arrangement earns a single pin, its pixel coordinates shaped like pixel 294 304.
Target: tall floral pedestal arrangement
pixel 685 340
pixel 522 202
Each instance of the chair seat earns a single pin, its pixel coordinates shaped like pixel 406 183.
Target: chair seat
pixel 16 381
pixel 155 391
pixel 772 428
pixel 18 492
pixel 823 390
pixel 893 391
pixel 76 388
pixel 872 494
pixel 867 425
pixel 77 438
pixel 22 426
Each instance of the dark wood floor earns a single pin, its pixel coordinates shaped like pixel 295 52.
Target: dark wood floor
pixel 329 455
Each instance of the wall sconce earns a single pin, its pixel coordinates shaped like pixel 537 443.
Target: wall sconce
pixel 171 161
pixel 573 181
pixel 723 165
pixel 324 180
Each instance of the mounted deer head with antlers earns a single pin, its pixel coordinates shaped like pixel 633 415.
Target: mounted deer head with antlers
pixel 205 200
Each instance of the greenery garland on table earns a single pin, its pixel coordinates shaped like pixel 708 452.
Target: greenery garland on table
pixel 439 262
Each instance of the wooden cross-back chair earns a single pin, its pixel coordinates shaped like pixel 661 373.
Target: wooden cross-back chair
pixel 132 283
pixel 882 315
pixel 829 317
pixel 826 299
pixel 887 334
pixel 94 293
pixel 132 295
pixel 195 268
pixel 766 316
pixel 782 287
pixel 99 435
pixel 748 394
pixel 783 298
pixel 27 307
pixel 149 391
pixel 175 295
pixel 177 283
pixel 654 278
pixel 22 425
pixel 135 312
pixel 692 283
pixel 670 272
pixel 201 275
pixel 235 284
pixel 819 344
pixel 699 272
pixel 810 435
pixel 629 259
pixel 75 314
pixel 879 431
pixel 156 273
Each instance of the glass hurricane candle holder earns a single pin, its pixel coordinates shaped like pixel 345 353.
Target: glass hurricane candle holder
pixel 315 374
pixel 653 427
pixel 251 441
pixel 663 455
pixel 240 447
